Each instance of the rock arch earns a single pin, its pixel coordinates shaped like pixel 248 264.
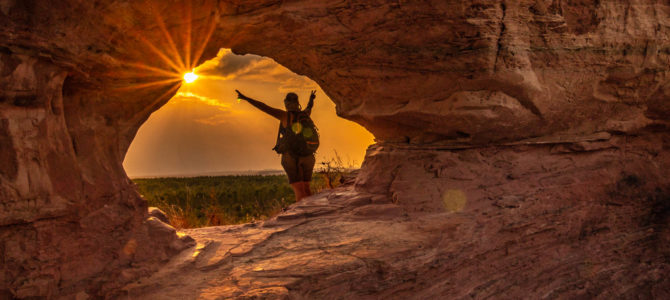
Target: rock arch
pixel 511 90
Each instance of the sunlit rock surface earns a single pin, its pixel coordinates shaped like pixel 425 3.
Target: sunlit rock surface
pixel 508 238
pixel 522 149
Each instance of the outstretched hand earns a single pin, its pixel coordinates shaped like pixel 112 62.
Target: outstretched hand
pixel 241 96
pixel 312 95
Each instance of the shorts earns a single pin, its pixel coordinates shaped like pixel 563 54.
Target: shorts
pixel 299 169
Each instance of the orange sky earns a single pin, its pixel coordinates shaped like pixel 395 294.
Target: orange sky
pixel 203 129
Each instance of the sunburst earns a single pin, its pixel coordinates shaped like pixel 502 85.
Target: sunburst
pixel 190 77
pixel 180 66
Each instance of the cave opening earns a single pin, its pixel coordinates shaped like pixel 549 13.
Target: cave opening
pixel 205 157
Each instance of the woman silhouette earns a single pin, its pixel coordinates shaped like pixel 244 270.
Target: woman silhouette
pixel 298 168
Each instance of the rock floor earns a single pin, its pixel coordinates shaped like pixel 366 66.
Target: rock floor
pixel 342 244
pixel 321 244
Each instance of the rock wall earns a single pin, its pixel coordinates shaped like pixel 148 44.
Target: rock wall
pixel 475 71
pixel 70 219
pixel 541 87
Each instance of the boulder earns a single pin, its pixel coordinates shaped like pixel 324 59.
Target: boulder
pixel 158 214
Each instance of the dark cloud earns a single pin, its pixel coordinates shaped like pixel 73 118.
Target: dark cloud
pixel 227 63
pixel 230 66
pixel 231 63
pixel 297 84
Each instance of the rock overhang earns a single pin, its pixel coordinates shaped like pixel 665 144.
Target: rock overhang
pixel 481 72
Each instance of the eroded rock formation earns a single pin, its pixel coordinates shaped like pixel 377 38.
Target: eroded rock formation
pixel 523 146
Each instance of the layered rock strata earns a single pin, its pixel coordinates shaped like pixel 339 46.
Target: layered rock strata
pixel 536 126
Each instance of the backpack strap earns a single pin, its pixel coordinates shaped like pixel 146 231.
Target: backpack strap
pixel 283 130
pixel 280 130
pixel 278 138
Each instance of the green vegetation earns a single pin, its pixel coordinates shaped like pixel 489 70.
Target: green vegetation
pixel 191 202
pixel 218 200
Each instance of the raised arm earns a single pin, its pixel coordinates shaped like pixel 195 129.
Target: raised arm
pixel 277 113
pixel 310 104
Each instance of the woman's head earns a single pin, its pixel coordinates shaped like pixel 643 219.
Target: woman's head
pixel 291 102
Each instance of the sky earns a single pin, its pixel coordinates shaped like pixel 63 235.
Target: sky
pixel 203 129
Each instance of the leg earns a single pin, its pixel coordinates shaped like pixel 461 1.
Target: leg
pixel 306 190
pixel 290 165
pixel 306 166
pixel 298 190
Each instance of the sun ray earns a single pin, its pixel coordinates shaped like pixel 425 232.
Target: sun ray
pixel 146 85
pixel 169 52
pixel 208 35
pixel 158 100
pixel 152 69
pixel 214 77
pixel 174 88
pixel 187 56
pixel 138 74
pixel 135 76
pixel 168 37
pixel 159 53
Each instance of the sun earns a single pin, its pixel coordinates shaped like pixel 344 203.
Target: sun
pixel 176 60
pixel 190 77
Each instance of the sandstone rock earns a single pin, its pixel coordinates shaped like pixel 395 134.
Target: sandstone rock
pixel 524 143
pixel 158 214
pixel 550 242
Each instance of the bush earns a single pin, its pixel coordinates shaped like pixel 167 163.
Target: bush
pixel 331 172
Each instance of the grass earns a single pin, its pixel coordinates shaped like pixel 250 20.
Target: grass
pixel 220 200
pixel 191 202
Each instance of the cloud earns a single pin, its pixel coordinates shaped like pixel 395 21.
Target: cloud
pixel 203 115
pixel 214 120
pixel 297 84
pixel 229 66
pixel 188 96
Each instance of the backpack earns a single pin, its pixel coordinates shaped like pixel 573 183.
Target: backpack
pixel 300 138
